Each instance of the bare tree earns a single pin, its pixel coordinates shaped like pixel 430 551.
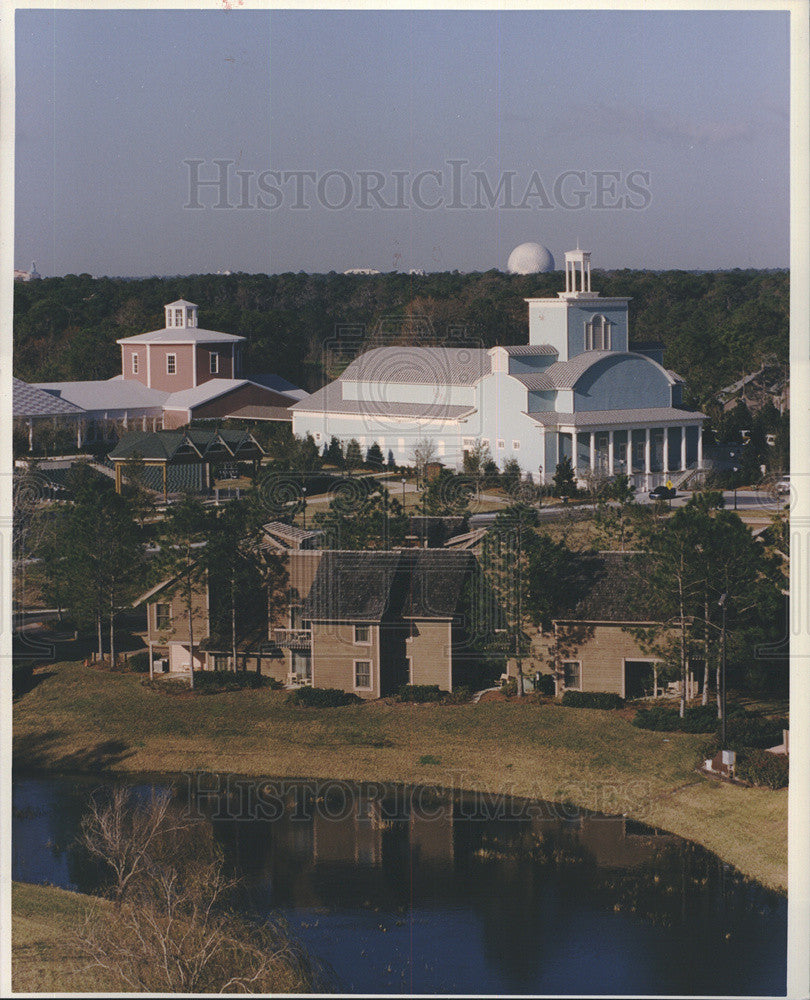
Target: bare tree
pixel 123 834
pixel 423 452
pixel 172 929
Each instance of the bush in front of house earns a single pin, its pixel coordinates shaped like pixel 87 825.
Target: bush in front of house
pixel 592 699
pixel 460 695
pixel 544 684
pixel 748 730
pixel 309 697
pixel 138 662
pixel 421 693
pixel 217 681
pixel 700 719
pixel 762 768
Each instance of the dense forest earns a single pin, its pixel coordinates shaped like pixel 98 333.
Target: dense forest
pixel 714 326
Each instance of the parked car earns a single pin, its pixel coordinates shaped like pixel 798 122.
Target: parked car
pixel 783 486
pixel 663 493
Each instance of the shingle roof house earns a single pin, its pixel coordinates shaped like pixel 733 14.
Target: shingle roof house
pixel 577 390
pixel 364 622
pixel 372 621
pixel 591 645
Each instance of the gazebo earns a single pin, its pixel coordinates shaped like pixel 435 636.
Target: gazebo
pixel 194 446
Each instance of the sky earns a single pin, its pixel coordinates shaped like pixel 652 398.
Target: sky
pixel 379 139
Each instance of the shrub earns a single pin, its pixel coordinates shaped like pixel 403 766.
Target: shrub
pixel 138 662
pixel 762 768
pixel 701 719
pixel 216 681
pixel 309 697
pixel 592 699
pixel 510 688
pixel 753 731
pixel 545 685
pixel 421 693
pixel 459 695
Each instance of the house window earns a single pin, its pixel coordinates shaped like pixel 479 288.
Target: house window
pixel 163 617
pixel 171 364
pixel 501 444
pixel 409 662
pixel 221 661
pixel 213 357
pixel 597 334
pixel 516 446
pixel 362 674
pixel 362 635
pixel 468 442
pixel 134 364
pixel 572 675
pixel 178 317
pixel 317 435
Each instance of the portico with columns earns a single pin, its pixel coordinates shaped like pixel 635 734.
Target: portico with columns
pixel 576 390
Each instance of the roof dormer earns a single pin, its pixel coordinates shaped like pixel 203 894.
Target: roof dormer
pixel 181 315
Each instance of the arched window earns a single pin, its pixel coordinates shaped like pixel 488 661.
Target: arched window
pixel 597 334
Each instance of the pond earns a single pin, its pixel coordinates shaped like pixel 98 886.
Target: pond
pixel 417 890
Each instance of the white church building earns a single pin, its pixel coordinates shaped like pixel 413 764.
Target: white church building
pixel 574 391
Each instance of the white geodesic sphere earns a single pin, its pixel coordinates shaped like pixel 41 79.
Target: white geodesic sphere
pixel 530 258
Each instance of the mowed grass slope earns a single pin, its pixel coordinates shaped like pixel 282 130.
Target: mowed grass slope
pixel 80 719
pixel 43 951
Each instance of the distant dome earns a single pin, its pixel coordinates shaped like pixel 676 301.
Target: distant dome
pixel 530 258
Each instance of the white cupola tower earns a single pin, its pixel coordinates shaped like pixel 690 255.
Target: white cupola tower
pixel 578 274
pixel 181 315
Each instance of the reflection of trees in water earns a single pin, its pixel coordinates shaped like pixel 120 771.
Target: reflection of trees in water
pixel 526 878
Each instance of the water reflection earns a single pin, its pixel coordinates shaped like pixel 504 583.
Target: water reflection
pixel 429 891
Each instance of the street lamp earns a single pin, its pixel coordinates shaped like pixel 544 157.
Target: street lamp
pixel 403 493
pixel 304 497
pixel 722 605
pixel 736 470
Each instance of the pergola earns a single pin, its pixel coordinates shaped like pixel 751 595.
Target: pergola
pixel 192 446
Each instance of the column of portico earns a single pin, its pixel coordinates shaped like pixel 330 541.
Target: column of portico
pixel 610 453
pixel 629 451
pixel 647 466
pixel 574 451
pixel 593 450
pixel 700 448
pixel 683 448
pixel 666 450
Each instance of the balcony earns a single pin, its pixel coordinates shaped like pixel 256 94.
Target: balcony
pixel 292 638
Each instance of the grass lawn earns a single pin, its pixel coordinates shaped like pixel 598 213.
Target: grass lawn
pixel 43 954
pixel 80 719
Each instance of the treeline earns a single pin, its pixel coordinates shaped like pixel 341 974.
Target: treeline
pixel 715 326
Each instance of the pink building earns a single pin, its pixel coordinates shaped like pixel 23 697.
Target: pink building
pixel 181 355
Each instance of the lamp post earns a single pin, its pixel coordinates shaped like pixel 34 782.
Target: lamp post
pixel 736 470
pixel 722 604
pixel 403 493
pixel 304 498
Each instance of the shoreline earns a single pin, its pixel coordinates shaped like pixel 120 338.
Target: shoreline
pixel 72 725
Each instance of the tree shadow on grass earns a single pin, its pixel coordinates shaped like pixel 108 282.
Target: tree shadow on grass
pixel 37 751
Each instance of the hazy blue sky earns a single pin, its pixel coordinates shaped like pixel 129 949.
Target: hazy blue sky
pixel 111 104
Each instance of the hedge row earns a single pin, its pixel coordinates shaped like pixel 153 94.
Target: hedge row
pixel 592 699
pixel 762 768
pixel 701 719
pixel 309 697
pixel 421 693
pixel 215 681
